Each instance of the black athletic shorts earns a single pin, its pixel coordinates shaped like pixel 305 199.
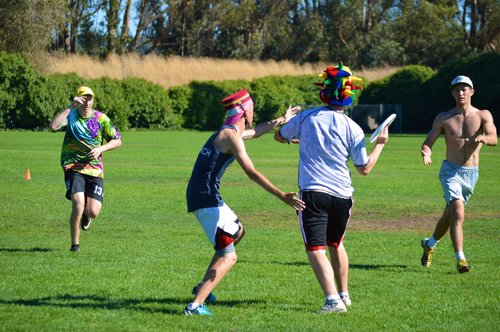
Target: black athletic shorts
pixel 91 186
pixel 324 220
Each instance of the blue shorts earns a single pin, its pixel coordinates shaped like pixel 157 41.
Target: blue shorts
pixel 458 181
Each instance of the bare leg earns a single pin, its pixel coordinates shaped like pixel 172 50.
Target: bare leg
pixel 340 263
pixel 323 270
pixel 443 225
pixel 218 268
pixel 78 205
pixel 457 215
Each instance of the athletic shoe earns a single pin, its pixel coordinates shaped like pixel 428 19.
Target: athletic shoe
pixel 463 266
pixel 201 310
pixel 333 306
pixel 347 300
pixel 85 222
pixel 210 298
pixel 75 248
pixel 428 252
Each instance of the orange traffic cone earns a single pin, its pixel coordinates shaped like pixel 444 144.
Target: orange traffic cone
pixel 27 175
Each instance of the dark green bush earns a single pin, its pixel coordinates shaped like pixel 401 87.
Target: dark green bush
pixel 149 105
pixel 110 99
pixel 50 95
pixel 272 95
pixel 483 70
pixel 205 111
pixel 29 100
pixel 201 107
pixel 16 79
pixel 179 98
pixel 425 93
pixel 406 87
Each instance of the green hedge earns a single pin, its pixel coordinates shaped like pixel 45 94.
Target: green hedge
pixel 484 71
pixel 29 100
pixel 424 93
pixel 405 87
pixel 16 80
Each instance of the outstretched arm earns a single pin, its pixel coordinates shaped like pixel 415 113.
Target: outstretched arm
pixel 237 147
pixel 263 128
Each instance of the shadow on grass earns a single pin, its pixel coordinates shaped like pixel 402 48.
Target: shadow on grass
pixel 352 266
pixel 292 263
pixel 36 249
pixel 377 266
pixel 101 302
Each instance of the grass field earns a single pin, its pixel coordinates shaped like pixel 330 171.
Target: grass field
pixel 144 253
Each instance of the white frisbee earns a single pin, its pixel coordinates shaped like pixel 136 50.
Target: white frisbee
pixel 387 122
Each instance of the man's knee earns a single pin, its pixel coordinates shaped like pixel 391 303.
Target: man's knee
pixel 229 257
pixel 93 208
pixel 92 212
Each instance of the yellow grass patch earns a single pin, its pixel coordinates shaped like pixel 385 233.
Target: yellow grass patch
pixel 174 70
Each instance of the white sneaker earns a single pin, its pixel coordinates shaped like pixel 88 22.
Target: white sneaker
pixel 333 306
pixel 347 300
pixel 85 222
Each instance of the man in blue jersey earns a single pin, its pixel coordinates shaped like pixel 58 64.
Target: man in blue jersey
pixel 328 138
pixel 220 223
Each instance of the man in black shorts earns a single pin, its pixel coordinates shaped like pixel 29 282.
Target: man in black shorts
pixel 81 158
pixel 328 138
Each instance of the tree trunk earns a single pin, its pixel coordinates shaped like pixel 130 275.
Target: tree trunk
pixel 112 15
pixel 125 28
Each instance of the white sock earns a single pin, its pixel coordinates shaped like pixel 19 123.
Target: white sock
pixel 343 294
pixel 459 255
pixel 333 297
pixel 193 305
pixel 432 242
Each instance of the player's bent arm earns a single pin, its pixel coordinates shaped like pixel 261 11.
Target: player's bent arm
pixel 58 120
pixel 489 137
pixel 111 145
pixel 375 154
pixel 372 160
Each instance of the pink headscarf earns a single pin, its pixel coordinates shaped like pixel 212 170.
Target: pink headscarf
pixel 236 105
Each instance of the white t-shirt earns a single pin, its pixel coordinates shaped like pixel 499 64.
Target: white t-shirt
pixel 328 139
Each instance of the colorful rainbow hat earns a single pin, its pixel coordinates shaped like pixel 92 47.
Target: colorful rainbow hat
pixel 339 86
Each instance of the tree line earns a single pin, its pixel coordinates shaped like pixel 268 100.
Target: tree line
pixel 361 33
pixel 28 99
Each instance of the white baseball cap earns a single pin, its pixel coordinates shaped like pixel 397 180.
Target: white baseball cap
pixel 462 79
